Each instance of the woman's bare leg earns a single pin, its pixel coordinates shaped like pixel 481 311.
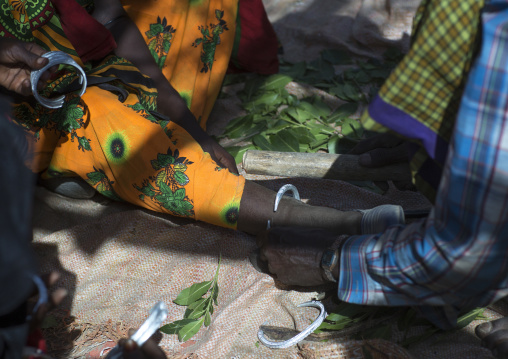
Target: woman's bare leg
pixel 256 209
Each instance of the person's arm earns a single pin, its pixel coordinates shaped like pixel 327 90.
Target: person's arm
pixel 440 268
pixel 458 257
pixel 132 47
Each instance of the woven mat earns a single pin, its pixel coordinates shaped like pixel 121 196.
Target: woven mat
pixel 117 261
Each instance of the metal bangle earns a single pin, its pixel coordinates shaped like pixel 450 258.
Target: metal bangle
pixel 278 197
pixel 302 335
pixel 55 58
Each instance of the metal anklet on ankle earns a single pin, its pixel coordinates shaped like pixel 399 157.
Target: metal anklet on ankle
pixel 56 58
pixel 280 193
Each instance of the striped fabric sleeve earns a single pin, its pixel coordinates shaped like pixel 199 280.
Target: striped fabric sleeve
pixel 457 259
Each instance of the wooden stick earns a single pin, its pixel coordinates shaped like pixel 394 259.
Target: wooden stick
pixel 319 165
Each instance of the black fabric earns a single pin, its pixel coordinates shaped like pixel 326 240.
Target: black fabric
pixel 104 83
pixel 12 341
pixel 17 263
pixel 14 317
pixel 121 92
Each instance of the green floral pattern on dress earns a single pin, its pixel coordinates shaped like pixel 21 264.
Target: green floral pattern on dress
pixel 167 186
pixel 102 184
pixel 160 36
pixel 141 110
pixel 210 40
pixel 64 121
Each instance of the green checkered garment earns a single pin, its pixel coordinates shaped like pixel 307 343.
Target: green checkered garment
pixel 428 83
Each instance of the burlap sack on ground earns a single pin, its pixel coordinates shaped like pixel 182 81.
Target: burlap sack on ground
pixel 120 260
pixel 118 265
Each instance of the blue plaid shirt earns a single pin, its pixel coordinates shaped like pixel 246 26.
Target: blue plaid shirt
pixel 457 259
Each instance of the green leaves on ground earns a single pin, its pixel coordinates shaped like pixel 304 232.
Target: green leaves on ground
pixel 345 315
pixel 199 309
pixel 193 293
pixel 279 121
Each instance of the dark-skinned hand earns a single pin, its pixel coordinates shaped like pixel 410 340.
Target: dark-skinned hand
pixel 294 255
pixel 381 150
pixel 218 154
pixel 17 60
pixel 494 336
pixel 149 350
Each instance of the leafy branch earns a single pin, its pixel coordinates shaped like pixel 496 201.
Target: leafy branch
pixel 199 309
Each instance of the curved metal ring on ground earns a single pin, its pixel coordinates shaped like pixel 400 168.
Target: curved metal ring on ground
pixel 300 336
pixel 55 58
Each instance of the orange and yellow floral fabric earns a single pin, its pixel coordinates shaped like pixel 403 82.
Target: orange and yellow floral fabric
pixel 112 136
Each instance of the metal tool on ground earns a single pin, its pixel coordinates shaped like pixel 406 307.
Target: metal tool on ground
pixel 302 335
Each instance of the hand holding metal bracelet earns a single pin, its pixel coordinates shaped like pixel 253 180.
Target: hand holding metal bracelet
pixel 56 58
